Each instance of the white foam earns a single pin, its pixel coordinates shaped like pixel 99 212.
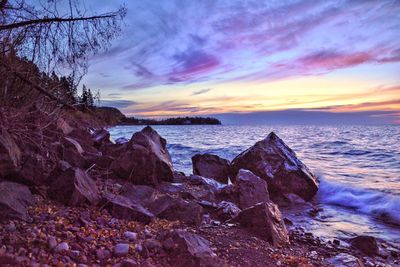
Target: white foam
pixel 379 204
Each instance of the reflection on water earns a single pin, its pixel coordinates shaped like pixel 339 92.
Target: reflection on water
pixel 359 167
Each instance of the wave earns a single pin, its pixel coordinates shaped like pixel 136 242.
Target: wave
pixel 381 205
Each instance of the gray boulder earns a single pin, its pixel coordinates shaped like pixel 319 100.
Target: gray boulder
pixel 211 166
pixel 144 159
pixel 14 201
pixel 273 161
pixel 74 187
pixel 265 220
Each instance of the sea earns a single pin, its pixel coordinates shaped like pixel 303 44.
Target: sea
pixel 358 168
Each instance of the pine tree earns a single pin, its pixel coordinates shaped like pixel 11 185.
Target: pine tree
pixel 84 98
pixel 90 100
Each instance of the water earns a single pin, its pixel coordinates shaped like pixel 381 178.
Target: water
pixel 358 168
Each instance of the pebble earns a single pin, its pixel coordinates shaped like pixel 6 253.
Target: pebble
pixel 121 249
pixel 102 254
pixel 62 247
pixel 51 242
pixel 10 227
pixel 147 233
pixel 129 263
pixel 130 235
pixel 313 254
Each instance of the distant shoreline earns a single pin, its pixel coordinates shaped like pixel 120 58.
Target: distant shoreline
pixel 113 116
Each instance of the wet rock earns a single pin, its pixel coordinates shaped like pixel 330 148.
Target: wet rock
pixel 101 137
pixel 14 201
pixel 121 140
pixel 130 235
pixel 189 249
pixel 211 166
pixel 273 161
pixel 145 159
pixel 121 250
pixel 74 187
pixel 366 244
pixel 227 210
pixel 250 188
pixel 345 260
pixel 265 220
pixel 123 208
pixel 173 209
pixel 179 177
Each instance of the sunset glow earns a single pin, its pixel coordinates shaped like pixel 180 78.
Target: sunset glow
pixel 235 57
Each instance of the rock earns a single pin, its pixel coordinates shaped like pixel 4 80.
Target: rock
pixel 121 140
pixel 273 161
pixel 62 247
pixel 152 245
pixel 130 235
pixel 129 263
pixel 145 159
pixel 74 187
pixel 189 249
pixel 250 188
pixel 102 254
pixel 174 209
pixel 265 220
pixel 211 166
pixel 123 208
pixel 121 250
pixel 10 227
pixel 366 244
pixel 51 242
pixel 139 193
pixel 10 154
pixel 345 260
pixel 14 201
pixel 227 210
pixel 179 177
pixel 101 137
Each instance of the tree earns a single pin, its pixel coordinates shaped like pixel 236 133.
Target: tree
pixel 57 36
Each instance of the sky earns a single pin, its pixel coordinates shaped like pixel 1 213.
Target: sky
pixel 252 60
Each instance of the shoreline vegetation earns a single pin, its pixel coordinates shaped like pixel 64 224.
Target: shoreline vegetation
pixel 114 116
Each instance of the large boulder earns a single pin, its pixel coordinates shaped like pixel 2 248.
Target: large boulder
pixel 14 201
pixel 211 166
pixel 250 189
pixel 10 154
pixel 366 244
pixel 74 187
pixel 265 220
pixel 145 159
pixel 121 207
pixel 187 249
pixel 177 209
pixel 272 160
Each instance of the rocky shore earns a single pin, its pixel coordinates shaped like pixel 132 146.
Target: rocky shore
pixel 77 198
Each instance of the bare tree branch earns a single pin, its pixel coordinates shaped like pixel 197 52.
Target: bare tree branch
pixel 50 20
